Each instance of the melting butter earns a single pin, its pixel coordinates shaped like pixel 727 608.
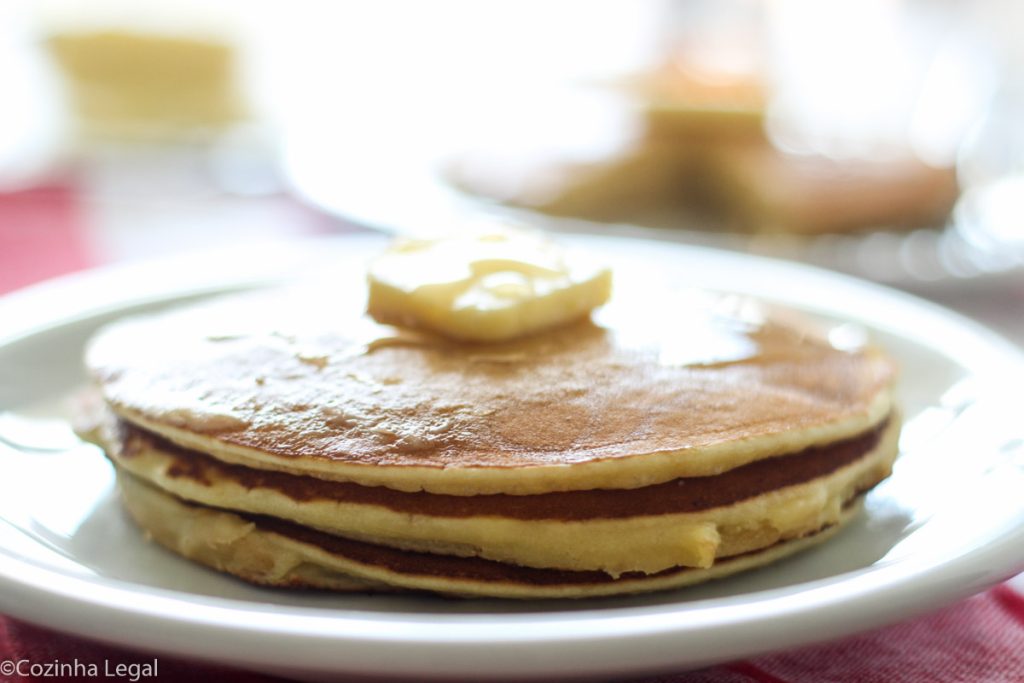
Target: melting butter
pixel 490 286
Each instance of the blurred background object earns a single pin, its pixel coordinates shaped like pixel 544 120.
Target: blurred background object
pixel 876 137
pixel 772 117
pixel 125 84
pixel 832 133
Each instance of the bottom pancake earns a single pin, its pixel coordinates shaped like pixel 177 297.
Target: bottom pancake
pixel 273 552
pixel 690 522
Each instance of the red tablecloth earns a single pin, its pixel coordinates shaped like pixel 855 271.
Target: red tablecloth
pixel 48 231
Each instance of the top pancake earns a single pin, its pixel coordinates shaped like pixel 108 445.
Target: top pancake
pixel 302 381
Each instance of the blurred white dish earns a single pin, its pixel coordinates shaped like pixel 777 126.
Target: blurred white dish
pixel 386 169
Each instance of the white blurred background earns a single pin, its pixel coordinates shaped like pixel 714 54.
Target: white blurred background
pixel 183 125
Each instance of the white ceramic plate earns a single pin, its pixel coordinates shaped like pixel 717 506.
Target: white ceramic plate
pixel 949 522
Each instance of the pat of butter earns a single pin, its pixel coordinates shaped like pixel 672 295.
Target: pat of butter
pixel 484 287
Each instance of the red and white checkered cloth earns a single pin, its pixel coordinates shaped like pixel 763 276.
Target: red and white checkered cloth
pixel 50 230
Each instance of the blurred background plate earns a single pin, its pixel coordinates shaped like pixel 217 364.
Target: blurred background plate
pixel 441 125
pixel 382 185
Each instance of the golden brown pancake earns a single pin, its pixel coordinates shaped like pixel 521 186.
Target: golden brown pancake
pixel 270 552
pixel 303 383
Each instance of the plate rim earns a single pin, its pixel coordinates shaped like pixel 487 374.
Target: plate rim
pixel 209 625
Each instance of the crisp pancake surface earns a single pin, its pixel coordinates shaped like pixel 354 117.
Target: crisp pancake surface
pixel 302 381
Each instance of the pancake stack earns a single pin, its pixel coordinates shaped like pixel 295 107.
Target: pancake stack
pixel 288 439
